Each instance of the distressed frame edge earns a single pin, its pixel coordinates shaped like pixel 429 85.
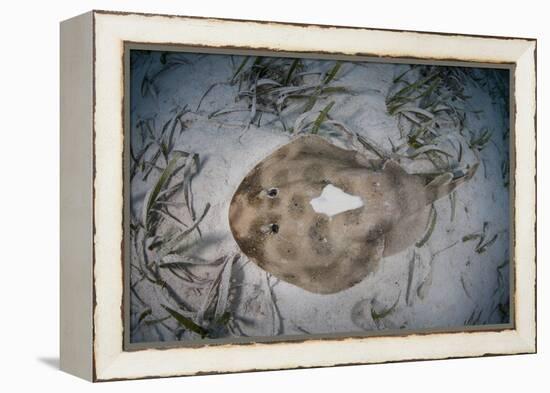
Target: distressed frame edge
pixel 526 338
pixel 525 208
pixel 76 196
pixel 303 24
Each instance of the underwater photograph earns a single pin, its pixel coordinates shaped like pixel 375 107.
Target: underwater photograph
pixel 280 198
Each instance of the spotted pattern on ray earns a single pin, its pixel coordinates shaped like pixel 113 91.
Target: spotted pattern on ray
pixel 274 224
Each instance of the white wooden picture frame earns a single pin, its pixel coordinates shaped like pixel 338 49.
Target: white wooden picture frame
pixel 92 193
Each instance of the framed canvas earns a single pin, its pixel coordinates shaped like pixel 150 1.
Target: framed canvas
pixel 246 195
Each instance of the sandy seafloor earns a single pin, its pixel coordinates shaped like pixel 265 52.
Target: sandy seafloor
pixel 451 285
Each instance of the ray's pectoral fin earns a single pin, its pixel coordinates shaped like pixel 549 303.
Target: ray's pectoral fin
pixel 376 249
pixel 393 167
pixel 406 232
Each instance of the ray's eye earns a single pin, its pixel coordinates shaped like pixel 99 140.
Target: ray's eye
pixel 269 229
pixel 272 192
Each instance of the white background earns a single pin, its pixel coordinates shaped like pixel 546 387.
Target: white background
pixel 29 197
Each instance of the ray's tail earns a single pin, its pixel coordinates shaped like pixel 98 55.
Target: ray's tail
pixel 446 183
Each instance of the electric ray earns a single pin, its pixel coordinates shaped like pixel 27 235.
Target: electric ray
pixel 280 218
